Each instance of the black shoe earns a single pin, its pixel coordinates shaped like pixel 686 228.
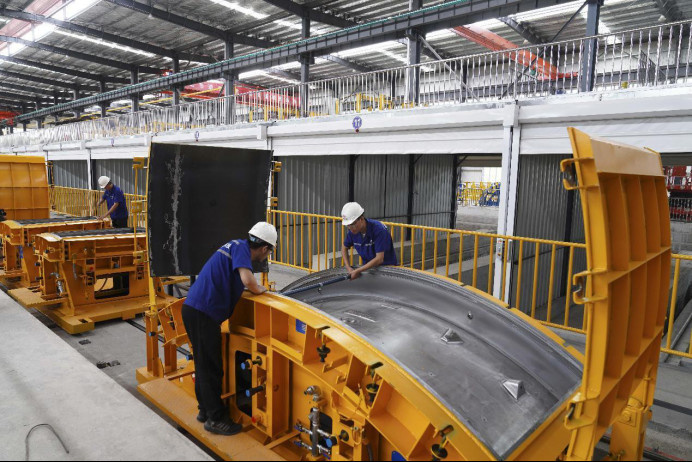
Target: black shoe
pixel 202 416
pixel 223 427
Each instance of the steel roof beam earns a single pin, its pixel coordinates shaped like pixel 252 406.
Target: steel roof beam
pixel 315 15
pixel 445 15
pixel 521 29
pixel 18 97
pixel 283 74
pixel 669 9
pixel 79 55
pixel 348 64
pixel 63 70
pixel 193 25
pixel 324 18
pixel 136 44
pixel 49 82
pixel 37 91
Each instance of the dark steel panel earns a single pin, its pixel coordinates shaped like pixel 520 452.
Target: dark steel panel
pixel 405 314
pixel 200 197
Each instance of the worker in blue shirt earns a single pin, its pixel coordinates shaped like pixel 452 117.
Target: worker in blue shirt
pixel 211 301
pixel 115 200
pixel 371 238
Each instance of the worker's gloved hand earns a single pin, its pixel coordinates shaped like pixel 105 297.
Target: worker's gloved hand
pixel 353 274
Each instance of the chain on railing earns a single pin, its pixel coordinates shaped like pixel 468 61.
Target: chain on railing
pixel 646 57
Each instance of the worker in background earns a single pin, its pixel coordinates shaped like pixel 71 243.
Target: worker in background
pixel 211 301
pixel 115 200
pixel 371 238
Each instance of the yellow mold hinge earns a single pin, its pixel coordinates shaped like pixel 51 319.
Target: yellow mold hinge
pixel 273 201
pixel 138 206
pixel 139 163
pixel 580 282
pixel 276 166
pixel 575 418
pixel 570 178
pixel 140 256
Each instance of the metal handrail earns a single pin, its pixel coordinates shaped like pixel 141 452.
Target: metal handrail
pixel 645 57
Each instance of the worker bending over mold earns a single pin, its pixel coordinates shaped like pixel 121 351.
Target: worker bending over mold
pixel 115 200
pixel 371 239
pixel 211 301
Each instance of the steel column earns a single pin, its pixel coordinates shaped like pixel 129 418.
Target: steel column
pixel 229 85
pixel 588 71
pixel 103 105
pixel 176 88
pixel 413 50
pixel 456 163
pixel 75 94
pixel 134 79
pixel 411 185
pixel 508 197
pixel 305 70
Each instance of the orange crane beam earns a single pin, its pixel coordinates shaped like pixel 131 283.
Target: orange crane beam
pixel 492 41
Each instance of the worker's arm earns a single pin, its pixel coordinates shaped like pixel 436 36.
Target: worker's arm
pixel 375 262
pixel 111 210
pixel 344 256
pixel 250 282
pixel 98 202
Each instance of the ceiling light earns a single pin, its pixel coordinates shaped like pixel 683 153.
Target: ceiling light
pixel 290 25
pixel 106 43
pixel 240 9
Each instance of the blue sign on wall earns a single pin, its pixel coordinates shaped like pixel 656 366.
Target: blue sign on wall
pixel 357 122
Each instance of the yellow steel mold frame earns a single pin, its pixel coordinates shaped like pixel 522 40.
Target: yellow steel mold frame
pixel 24 187
pixel 404 416
pixel 88 279
pixel 19 238
pixel 624 291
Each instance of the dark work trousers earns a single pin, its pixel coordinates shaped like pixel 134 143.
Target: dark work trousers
pixel 205 337
pixel 119 222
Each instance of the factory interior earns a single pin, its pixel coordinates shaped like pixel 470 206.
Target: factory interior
pixel 315 230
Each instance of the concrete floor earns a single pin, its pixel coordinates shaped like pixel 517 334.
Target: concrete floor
pixel 471 218
pixel 669 431
pixel 45 380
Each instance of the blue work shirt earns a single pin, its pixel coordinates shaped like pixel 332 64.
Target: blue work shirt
pixel 375 240
pixel 218 286
pixel 116 195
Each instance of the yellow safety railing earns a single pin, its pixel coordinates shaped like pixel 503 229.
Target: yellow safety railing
pixel 672 335
pixel 80 202
pixel 535 275
pixel 478 194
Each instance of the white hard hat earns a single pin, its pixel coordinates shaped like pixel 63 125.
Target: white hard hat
pixel 351 212
pixel 264 232
pixel 103 182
